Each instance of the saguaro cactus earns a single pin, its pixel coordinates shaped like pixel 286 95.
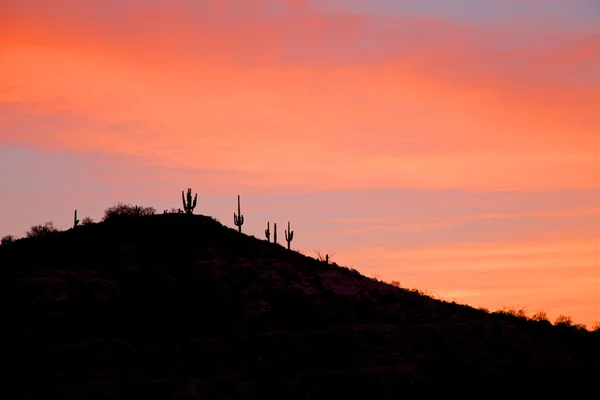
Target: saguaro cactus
pixel 275 233
pixel 289 235
pixel 238 219
pixel 189 205
pixel 268 232
pixel 75 220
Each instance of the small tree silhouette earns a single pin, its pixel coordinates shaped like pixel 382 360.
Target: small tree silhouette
pixel 87 221
pixel 563 320
pixel 124 210
pixel 540 315
pixel 567 322
pixel 41 230
pixel 7 239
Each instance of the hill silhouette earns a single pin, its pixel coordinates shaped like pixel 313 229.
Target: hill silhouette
pixel 179 306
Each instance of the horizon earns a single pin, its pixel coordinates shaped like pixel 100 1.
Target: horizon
pixel 449 145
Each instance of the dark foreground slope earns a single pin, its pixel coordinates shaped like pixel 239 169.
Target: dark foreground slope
pixel 179 306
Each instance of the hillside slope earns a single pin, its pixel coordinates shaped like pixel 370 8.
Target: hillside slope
pixel 179 306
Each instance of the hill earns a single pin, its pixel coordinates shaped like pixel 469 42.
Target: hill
pixel 179 306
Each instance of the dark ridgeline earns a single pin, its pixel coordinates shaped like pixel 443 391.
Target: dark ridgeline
pixel 176 306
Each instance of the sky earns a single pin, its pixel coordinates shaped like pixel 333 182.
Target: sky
pixel 450 145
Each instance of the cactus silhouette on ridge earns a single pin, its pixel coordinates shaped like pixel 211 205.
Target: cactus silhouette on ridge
pixel 289 235
pixel 189 205
pixel 238 219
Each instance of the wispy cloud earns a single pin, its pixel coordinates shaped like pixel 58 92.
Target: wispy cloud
pixel 434 106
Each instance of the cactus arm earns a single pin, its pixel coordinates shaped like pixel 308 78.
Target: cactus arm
pixel 268 232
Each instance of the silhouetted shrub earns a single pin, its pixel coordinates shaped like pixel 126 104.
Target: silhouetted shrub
pixel 7 239
pixel 87 221
pixel 596 327
pixel 323 257
pixel 563 320
pixel 580 327
pixel 567 322
pixel 540 315
pixel 41 230
pixel 513 311
pixel 127 210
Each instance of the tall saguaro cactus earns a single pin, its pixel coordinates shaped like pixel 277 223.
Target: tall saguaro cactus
pixel 268 232
pixel 189 205
pixel 238 219
pixel 275 233
pixel 75 220
pixel 289 235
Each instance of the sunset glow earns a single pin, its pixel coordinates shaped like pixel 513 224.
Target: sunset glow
pixel 451 145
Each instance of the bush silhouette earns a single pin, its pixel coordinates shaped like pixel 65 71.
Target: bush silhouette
pixel 563 320
pixel 87 221
pixel 567 322
pixel 7 239
pixel 513 311
pixel 127 210
pixel 540 315
pixel 41 230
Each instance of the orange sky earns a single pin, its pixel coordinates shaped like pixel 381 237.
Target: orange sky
pixel 283 98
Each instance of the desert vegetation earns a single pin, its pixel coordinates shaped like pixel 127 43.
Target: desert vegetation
pixel 41 230
pixel 124 211
pixel 87 221
pixel 121 210
pixel 238 219
pixel 8 239
pixel 188 203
